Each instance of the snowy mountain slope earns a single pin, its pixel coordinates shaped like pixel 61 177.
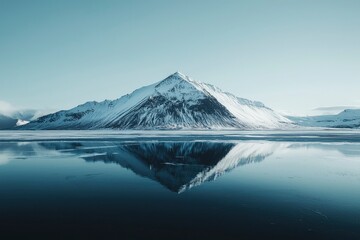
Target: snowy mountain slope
pixel 250 113
pixel 349 118
pixel 176 102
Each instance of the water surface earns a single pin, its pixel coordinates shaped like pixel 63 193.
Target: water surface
pixel 181 189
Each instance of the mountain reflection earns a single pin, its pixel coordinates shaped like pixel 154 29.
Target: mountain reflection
pixel 176 165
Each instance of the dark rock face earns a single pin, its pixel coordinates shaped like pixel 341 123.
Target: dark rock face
pixel 159 112
pixel 76 116
pixel 7 122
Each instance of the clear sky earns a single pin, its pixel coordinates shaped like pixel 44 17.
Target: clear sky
pixel 292 55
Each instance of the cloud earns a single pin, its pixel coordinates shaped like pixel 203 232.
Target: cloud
pixel 7 109
pixel 15 112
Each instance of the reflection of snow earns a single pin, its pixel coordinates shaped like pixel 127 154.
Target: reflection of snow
pixel 243 153
pixel 176 165
pixel 181 165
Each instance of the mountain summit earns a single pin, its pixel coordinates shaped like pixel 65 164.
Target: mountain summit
pixel 177 102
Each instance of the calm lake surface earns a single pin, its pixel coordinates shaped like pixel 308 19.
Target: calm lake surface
pixel 210 186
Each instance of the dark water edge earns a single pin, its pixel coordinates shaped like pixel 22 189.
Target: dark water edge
pixel 185 189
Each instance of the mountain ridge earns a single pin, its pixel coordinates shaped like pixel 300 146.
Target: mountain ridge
pixel 176 102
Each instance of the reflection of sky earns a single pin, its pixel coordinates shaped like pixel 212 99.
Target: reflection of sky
pixel 4 158
pixel 304 171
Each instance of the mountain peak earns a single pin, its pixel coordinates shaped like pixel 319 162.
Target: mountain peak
pixel 179 75
pixel 174 79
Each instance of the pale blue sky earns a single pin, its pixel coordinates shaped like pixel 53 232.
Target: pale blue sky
pixel 292 55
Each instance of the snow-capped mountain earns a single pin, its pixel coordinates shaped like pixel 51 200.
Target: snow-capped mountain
pixel 349 118
pixel 177 102
pixel 9 119
pixel 10 122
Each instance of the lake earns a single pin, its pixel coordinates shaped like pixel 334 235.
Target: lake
pixel 188 185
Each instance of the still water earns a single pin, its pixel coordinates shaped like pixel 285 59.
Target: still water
pixel 159 189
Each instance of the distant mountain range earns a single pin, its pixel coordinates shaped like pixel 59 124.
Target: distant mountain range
pixel 16 118
pixel 7 122
pixel 177 102
pixel 349 118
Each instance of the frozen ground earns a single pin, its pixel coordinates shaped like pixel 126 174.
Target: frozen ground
pixel 110 135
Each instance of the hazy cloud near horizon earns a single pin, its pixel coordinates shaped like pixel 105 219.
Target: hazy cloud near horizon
pixel 6 108
pixel 9 110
